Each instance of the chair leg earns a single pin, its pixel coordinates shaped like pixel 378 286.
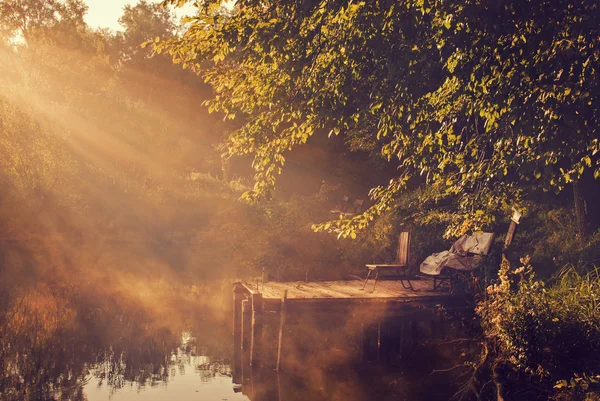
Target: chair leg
pixel 367 279
pixel 376 277
pixel 409 287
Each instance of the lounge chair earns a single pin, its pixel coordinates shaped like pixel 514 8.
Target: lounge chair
pixel 401 263
pixel 464 255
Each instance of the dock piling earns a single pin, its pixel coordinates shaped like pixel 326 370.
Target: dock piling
pixel 246 338
pixel 281 329
pixel 237 334
pixel 256 344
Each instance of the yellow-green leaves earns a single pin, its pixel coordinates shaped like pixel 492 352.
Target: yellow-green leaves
pixel 483 103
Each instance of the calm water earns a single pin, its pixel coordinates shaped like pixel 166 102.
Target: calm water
pixel 107 354
pixel 187 376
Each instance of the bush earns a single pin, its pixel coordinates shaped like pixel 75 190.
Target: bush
pixel 551 333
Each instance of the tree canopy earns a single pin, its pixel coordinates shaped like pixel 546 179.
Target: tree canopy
pixel 482 102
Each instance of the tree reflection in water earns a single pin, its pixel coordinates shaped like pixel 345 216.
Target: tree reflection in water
pixel 51 346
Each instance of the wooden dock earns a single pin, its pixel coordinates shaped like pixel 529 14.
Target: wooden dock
pixel 283 303
pixel 349 289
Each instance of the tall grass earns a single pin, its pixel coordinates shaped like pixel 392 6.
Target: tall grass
pixel 577 292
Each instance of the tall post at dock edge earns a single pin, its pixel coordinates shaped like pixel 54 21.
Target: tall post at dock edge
pixel 256 344
pixel 281 329
pixel 514 222
pixel 237 334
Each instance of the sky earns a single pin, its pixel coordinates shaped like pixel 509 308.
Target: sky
pixel 106 13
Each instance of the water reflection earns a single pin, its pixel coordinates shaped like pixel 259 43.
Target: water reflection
pixel 75 371
pixel 185 376
pixel 98 353
pixel 352 363
pixel 58 344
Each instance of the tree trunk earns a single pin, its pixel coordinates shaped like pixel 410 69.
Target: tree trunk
pixel 580 212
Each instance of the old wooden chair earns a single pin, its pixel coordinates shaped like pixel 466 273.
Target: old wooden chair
pixel 343 206
pixel 357 206
pixel 348 209
pixel 402 260
pixel 464 255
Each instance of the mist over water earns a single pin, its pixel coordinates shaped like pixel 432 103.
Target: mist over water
pixel 326 361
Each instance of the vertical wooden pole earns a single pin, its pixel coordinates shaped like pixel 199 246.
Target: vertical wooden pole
pixel 402 339
pixel 442 328
pixel 279 396
pixel 256 345
pixel 510 235
pixel 433 336
pixel 362 343
pixel 237 335
pixel 250 386
pixel 371 341
pixel 378 341
pixel 433 327
pixel 413 331
pixel 246 338
pixel 281 329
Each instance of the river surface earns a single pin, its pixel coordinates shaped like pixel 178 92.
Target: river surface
pixel 49 352
pixel 186 376
pixel 189 374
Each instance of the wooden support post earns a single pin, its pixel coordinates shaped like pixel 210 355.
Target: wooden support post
pixel 439 326
pixel 246 324
pixel 362 343
pixel 378 341
pixel 279 392
pixel 246 338
pixel 443 333
pixel 402 339
pixel 371 342
pixel 434 324
pixel 413 330
pixel 281 329
pixel 256 345
pixel 237 335
pixel 423 329
pixel 510 235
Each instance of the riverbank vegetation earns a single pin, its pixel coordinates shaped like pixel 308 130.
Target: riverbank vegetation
pixel 547 333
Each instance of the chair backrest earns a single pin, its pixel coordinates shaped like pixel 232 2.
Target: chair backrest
pixel 480 243
pixel 403 248
pixel 345 204
pixel 477 244
pixel 358 204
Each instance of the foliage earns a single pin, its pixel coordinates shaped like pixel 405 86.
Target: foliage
pixel 549 234
pixel 142 22
pixel 30 19
pixel 486 100
pixel 549 332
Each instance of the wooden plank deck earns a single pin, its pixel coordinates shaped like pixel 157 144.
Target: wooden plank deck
pixel 345 290
pixel 258 305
